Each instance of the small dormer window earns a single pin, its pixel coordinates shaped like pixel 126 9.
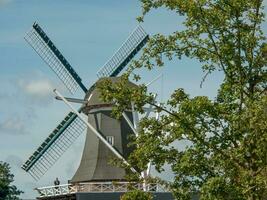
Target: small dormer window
pixel 110 140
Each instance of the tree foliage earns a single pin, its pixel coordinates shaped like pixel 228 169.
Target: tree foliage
pixel 227 155
pixel 137 195
pixel 7 191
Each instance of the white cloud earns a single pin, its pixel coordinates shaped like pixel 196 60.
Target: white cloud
pixel 37 91
pixel 12 125
pixel 38 88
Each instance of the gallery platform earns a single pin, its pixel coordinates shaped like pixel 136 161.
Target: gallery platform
pixel 99 191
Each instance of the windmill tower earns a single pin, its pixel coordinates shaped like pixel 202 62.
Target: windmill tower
pixel 106 136
pixel 94 164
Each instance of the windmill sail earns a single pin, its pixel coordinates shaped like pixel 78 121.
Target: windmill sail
pixel 46 49
pixel 124 54
pixel 54 146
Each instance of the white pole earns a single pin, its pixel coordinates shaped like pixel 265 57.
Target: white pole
pixel 135 116
pixel 148 168
pixel 148 84
pixel 130 123
pixel 148 111
pixel 95 131
pixel 149 164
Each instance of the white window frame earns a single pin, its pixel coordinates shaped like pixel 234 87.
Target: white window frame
pixel 110 139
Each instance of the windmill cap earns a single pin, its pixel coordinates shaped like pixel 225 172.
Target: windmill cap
pixel 94 96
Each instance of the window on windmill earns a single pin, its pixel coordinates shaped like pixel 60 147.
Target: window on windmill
pixel 110 140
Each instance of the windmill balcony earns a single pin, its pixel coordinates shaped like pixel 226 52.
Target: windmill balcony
pixel 94 187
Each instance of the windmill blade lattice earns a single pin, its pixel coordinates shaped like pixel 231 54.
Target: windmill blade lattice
pixel 46 49
pixel 54 146
pixel 124 54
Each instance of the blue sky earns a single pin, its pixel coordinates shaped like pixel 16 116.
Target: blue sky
pixel 87 33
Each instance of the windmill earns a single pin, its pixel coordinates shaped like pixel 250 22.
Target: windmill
pixel 106 136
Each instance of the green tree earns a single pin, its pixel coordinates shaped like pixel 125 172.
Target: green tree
pixel 137 195
pixel 228 135
pixel 7 191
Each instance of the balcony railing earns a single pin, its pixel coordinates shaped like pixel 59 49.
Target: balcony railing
pixel 97 187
